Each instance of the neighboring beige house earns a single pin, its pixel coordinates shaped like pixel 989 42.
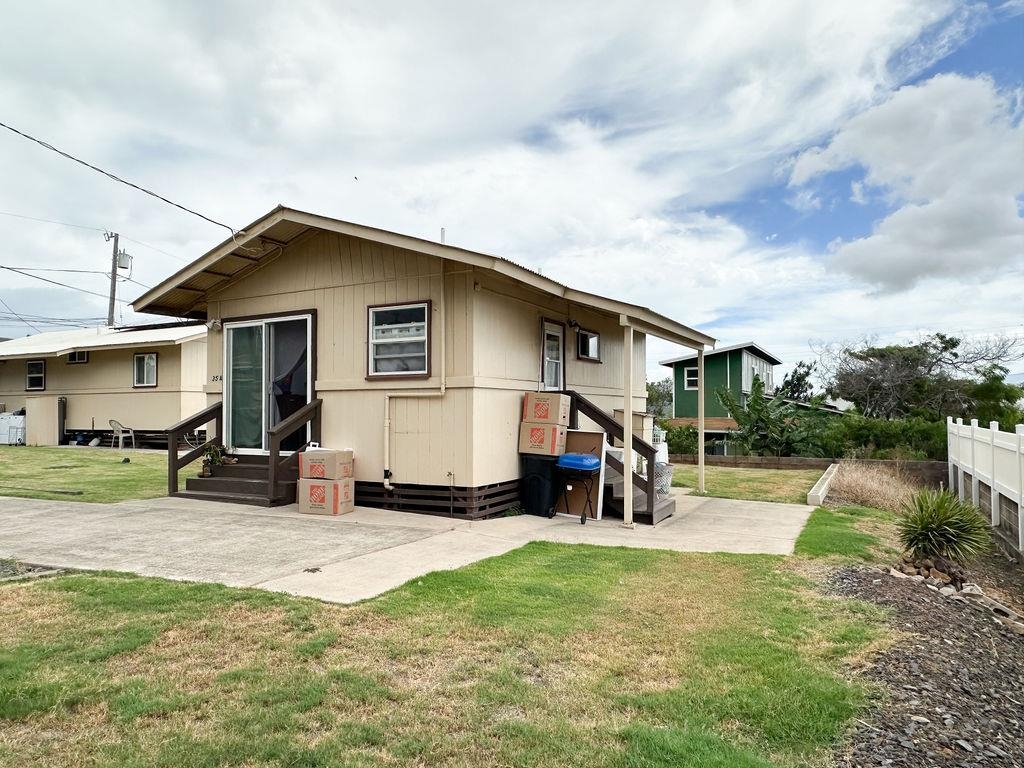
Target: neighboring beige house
pixel 419 352
pixel 145 377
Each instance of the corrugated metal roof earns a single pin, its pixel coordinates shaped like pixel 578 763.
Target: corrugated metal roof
pixel 184 294
pixel 762 352
pixel 62 342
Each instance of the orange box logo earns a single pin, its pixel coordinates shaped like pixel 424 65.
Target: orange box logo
pixel 318 494
pixel 541 410
pixel 538 437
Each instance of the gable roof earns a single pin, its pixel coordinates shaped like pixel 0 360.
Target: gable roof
pixel 184 293
pixel 54 343
pixel 758 350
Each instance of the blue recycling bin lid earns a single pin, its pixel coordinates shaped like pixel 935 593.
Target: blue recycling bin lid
pixel 585 462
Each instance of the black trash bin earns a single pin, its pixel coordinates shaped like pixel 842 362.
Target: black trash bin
pixel 539 487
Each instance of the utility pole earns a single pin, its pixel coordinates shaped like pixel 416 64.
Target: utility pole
pixel 113 282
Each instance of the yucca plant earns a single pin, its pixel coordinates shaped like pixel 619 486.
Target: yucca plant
pixel 937 523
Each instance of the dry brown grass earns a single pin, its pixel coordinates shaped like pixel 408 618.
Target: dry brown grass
pixel 871 485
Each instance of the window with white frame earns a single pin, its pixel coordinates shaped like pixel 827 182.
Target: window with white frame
pixel 588 345
pixel 399 340
pixel 35 374
pixel 690 378
pixel 78 357
pixel 145 369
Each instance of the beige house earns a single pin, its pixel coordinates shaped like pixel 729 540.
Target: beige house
pixel 75 382
pixel 413 353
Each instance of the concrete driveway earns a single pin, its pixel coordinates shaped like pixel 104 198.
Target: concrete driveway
pixel 353 557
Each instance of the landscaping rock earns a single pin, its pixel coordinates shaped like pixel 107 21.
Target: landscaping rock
pixel 952 685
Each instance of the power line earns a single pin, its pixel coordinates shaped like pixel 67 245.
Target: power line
pixel 94 229
pixel 116 178
pixel 55 269
pixel 26 322
pixel 54 282
pixel 50 221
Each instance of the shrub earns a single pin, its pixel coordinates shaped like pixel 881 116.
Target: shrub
pixel 937 523
pixel 871 485
pixel 682 439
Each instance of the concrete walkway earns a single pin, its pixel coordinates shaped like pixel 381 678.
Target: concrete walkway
pixel 353 557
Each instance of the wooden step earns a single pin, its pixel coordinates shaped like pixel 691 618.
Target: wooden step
pixel 254 471
pixel 246 486
pixel 663 508
pixel 230 498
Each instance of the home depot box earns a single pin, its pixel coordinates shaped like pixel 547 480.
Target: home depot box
pixel 546 408
pixel 542 439
pixel 326 497
pixel 325 464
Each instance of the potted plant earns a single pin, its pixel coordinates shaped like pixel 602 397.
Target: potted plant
pixel 213 456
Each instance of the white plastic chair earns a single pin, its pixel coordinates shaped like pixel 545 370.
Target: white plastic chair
pixel 120 430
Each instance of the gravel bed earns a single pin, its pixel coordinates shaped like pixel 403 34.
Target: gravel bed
pixel 954 685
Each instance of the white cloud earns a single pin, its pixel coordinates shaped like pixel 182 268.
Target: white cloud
pixel 951 152
pixel 573 138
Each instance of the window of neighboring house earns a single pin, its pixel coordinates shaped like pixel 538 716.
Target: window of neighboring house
pixel 691 378
pixel 588 345
pixel 145 369
pixel 399 343
pixel 35 374
pixel 78 357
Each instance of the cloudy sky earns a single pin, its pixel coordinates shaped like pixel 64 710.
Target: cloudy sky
pixel 796 173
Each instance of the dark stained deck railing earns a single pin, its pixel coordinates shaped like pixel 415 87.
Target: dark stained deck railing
pixel 213 413
pixel 579 404
pixel 307 414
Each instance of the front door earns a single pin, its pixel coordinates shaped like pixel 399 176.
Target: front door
pixel 267 379
pixel 553 356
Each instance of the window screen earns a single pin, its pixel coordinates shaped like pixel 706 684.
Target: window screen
pixel 145 370
pixel 35 374
pixel 398 340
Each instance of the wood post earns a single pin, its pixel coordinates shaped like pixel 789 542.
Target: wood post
pixel 700 420
pixel 627 422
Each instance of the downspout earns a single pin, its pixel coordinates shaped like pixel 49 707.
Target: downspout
pixel 388 396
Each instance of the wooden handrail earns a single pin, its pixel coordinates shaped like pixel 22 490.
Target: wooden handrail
pixel 579 404
pixel 309 413
pixel 175 432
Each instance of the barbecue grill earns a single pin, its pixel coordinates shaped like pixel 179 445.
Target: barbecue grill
pixel 581 468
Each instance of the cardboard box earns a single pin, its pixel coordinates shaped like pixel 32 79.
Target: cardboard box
pixel 325 464
pixel 326 497
pixel 546 408
pixel 542 439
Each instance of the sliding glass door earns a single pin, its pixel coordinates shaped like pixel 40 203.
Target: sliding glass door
pixel 267 379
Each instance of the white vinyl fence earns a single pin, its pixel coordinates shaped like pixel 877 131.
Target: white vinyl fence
pixel 986 466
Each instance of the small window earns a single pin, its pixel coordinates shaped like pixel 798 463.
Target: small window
pixel 398 343
pixel 691 378
pixel 588 345
pixel 78 357
pixel 35 374
pixel 145 369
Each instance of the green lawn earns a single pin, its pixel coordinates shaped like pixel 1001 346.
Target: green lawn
pixel 783 485
pixel 552 655
pixel 82 474
pixel 857 533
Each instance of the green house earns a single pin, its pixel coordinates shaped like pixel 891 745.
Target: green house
pixel 732 368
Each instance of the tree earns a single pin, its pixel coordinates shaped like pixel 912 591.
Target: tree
pixel 764 425
pixel 796 385
pixel 659 398
pixel 995 399
pixel 932 378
